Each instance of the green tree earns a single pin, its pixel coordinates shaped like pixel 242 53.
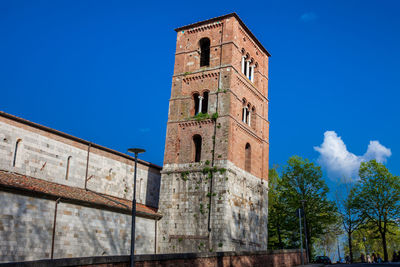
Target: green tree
pixel 302 180
pixel 366 240
pixel 277 213
pixel 378 197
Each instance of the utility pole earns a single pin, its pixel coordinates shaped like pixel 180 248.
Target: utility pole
pixel 301 238
pixel 136 151
pixel 338 248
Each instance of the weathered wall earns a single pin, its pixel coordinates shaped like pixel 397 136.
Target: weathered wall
pixel 278 258
pixel 230 214
pixel 238 211
pixel 26 226
pixel 26 223
pixel 227 87
pixel 44 155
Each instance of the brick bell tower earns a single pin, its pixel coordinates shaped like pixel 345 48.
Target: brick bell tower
pixel 214 185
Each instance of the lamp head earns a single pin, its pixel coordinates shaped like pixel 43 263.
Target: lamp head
pixel 136 150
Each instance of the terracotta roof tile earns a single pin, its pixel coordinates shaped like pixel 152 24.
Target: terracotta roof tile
pixel 72 194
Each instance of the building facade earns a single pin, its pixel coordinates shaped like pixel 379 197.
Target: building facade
pixel 48 210
pixel 214 185
pixel 61 196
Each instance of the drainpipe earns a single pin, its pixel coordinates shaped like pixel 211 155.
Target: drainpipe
pixel 54 228
pixel 87 165
pixel 155 236
pixel 215 134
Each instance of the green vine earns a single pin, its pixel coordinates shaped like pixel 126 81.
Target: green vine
pixel 201 116
pixel 185 175
pixel 201 208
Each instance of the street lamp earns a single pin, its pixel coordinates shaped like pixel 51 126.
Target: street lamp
pixel 338 249
pixel 305 228
pixel 135 151
pixel 365 246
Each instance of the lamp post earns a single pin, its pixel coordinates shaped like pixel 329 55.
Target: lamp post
pixel 365 246
pixel 338 249
pixel 136 151
pixel 305 228
pixel 299 214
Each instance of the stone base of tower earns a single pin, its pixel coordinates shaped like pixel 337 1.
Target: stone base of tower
pixel 226 213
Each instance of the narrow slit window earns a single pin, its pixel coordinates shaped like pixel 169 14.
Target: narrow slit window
pixel 68 165
pixel 247 162
pixel 204 108
pixel 204 52
pixel 197 147
pixel 17 145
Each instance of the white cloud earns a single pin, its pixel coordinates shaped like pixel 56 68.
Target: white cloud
pixel 309 16
pixel 342 164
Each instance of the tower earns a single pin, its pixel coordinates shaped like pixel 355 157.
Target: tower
pixel 214 183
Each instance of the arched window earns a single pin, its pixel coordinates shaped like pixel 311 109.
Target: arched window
pixel 243 63
pixel 247 158
pixel 68 165
pixel 246 69
pixel 204 52
pixel 204 108
pixel 247 119
pixel 17 144
pixel 197 147
pixel 196 100
pixel 244 110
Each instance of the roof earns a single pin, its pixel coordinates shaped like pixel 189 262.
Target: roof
pixel 40 188
pixel 77 139
pixel 224 17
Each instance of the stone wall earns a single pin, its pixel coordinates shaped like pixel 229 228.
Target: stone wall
pixel 238 210
pixel 26 219
pixel 44 154
pixel 26 226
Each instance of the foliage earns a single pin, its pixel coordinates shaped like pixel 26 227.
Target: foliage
pixel 372 243
pixel 302 180
pixel 378 198
pixel 201 116
pixel 277 233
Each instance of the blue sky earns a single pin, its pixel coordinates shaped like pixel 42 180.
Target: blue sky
pixel 101 70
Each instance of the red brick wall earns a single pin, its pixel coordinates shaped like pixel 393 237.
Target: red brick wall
pixel 277 258
pixel 285 258
pixel 225 82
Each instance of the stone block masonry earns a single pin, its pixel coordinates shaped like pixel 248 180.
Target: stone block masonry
pixel 26 225
pixel 234 220
pixel 39 166
pixel 37 151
